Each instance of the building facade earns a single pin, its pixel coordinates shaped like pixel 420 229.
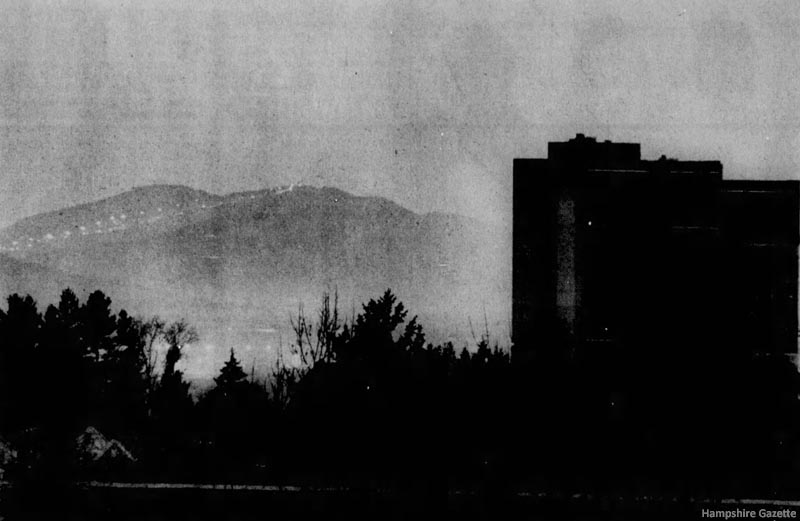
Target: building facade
pixel 615 254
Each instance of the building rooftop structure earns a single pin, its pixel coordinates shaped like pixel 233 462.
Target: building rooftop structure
pixel 616 254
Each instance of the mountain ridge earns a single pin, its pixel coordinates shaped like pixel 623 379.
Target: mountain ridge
pixel 243 261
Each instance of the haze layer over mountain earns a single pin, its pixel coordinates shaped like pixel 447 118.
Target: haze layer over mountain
pixel 237 266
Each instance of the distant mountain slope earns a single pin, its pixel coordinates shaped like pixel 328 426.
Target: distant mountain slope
pixel 236 265
pixel 43 283
pixel 149 209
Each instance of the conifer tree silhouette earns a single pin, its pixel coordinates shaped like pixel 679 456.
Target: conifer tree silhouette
pixel 231 376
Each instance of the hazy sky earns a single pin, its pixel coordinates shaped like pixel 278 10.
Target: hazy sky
pixel 422 102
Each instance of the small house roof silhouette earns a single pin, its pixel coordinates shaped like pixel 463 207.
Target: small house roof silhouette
pixel 92 446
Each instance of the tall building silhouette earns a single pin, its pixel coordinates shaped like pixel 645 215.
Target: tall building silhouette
pixel 615 254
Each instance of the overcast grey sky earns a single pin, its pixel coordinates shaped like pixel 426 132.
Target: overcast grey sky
pixel 422 102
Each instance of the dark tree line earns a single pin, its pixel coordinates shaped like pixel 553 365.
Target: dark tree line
pixel 358 400
pixel 78 365
pixel 367 402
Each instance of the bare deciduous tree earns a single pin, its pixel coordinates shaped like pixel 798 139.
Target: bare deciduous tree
pixel 177 335
pixel 284 379
pixel 313 343
pixel 152 331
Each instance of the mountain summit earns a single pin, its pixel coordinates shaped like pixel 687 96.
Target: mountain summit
pixel 238 265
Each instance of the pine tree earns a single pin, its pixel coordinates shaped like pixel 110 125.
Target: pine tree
pixel 99 324
pixel 231 376
pixel 20 332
